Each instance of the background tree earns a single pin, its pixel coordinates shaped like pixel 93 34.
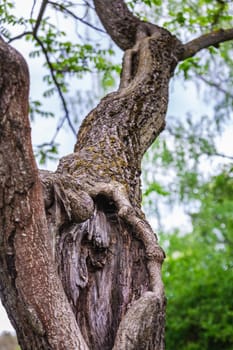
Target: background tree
pixel 198 274
pixel 100 238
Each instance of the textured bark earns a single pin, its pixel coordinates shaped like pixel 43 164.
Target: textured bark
pixel 30 288
pixel 112 258
pixel 107 255
pixel 80 265
pixel 124 28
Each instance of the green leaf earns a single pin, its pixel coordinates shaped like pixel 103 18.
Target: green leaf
pixel 155 187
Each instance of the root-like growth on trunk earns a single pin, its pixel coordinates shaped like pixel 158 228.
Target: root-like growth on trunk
pixel 93 227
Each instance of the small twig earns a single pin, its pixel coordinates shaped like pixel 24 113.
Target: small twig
pixel 217 154
pixel 217 86
pixel 64 9
pixel 32 10
pixel 88 4
pixel 59 126
pixel 52 141
pixel 45 144
pixel 20 36
pixel 38 21
pixel 67 117
pixel 40 16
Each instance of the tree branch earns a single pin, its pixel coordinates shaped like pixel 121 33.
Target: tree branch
pixel 123 27
pixel 40 16
pixel 217 154
pixel 32 9
pixel 17 37
pixel 56 83
pixel 211 39
pixel 66 10
pixel 29 284
pixel 215 85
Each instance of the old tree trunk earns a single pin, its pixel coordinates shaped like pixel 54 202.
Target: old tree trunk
pixel 80 265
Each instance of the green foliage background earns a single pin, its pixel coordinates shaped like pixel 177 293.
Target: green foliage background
pixel 198 273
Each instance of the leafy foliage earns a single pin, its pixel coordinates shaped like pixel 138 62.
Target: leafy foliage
pixel 64 56
pixel 198 273
pixel 188 19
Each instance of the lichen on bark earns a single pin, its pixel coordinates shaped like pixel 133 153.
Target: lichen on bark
pixel 113 258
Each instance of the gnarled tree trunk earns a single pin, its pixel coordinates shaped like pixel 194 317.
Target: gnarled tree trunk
pixel 80 265
pixel 112 257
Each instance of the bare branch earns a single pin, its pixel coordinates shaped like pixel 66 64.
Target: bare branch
pixel 215 85
pixel 67 117
pixel 66 10
pixel 40 16
pixel 211 39
pixel 19 36
pixel 217 154
pixel 33 7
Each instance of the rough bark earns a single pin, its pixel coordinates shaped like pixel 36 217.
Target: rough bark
pixel 80 265
pixel 108 256
pixel 114 249
pixel 30 288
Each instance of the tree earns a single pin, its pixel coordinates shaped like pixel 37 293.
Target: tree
pixel 199 269
pixel 80 265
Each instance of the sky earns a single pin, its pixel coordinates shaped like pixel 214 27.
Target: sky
pixel 183 100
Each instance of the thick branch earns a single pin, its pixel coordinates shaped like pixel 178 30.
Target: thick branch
pixel 118 21
pixel 29 285
pixel 121 24
pixel 211 39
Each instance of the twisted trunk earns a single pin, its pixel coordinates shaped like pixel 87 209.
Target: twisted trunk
pixel 106 254
pixel 111 261
pixel 92 231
